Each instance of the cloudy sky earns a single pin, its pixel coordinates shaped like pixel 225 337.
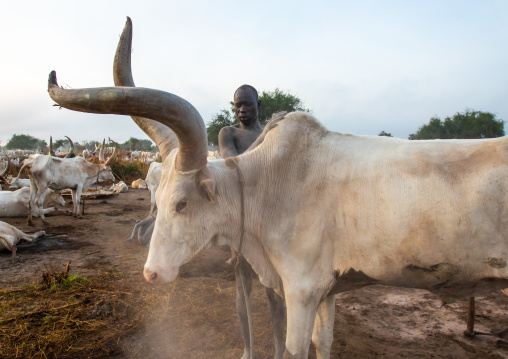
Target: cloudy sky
pixel 361 66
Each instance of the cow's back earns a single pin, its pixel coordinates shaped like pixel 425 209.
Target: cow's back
pixel 425 214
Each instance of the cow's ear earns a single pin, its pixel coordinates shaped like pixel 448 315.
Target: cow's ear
pixel 206 183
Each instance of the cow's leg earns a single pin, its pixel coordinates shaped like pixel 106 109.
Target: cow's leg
pixel 145 237
pixel 31 201
pixel 79 189
pixel 243 268
pixel 7 242
pixel 301 312
pixel 73 196
pixel 41 195
pixel 49 210
pixel 278 317
pixel 152 202
pixel 322 336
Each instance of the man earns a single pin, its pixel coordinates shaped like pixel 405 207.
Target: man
pixel 235 140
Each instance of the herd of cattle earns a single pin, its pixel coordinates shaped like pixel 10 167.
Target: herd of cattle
pixel 314 212
pixel 51 174
pixel 57 171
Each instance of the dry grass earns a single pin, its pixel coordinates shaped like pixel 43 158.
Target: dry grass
pixel 65 317
pixel 115 314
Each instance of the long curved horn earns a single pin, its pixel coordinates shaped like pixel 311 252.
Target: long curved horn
pixel 108 162
pixel 161 135
pixel 70 154
pixel 101 151
pixel 6 169
pixel 163 107
pixel 50 152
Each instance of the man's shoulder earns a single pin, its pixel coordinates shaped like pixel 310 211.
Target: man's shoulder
pixel 230 130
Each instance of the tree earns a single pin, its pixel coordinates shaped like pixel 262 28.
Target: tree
pixel 59 143
pixel 42 146
pixel 136 144
pixel 383 133
pixel 278 100
pixel 146 145
pixel 25 142
pixel 271 102
pixel 133 144
pixel 470 124
pixel 219 120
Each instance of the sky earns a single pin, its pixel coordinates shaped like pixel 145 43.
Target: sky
pixel 360 66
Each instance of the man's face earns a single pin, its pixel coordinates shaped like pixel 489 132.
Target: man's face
pixel 246 106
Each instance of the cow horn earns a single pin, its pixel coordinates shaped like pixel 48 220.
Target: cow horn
pixel 164 107
pixel 164 138
pixel 71 149
pixel 108 162
pixel 6 169
pixel 101 151
pixel 50 152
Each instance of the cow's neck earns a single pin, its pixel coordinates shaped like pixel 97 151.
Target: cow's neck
pixel 250 245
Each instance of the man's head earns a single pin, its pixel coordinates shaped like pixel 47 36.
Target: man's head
pixel 246 104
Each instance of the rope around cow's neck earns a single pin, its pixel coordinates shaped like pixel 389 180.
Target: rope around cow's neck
pixel 241 182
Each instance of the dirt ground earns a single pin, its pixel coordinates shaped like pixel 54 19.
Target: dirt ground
pixel 194 317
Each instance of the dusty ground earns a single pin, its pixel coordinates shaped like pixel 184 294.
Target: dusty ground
pixel 194 316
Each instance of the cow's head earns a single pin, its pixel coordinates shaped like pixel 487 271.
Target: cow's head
pixel 187 188
pixel 105 172
pixel 55 199
pixel 185 200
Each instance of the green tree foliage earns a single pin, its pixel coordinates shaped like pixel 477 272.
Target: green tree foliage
pixel 470 124
pixel 60 143
pixel 42 146
pixel 219 120
pixel 278 100
pixel 271 102
pixel 136 144
pixel 25 142
pixel 383 133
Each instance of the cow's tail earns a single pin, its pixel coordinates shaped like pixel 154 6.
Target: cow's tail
pixel 28 163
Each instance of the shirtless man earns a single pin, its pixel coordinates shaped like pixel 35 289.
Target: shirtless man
pixel 235 140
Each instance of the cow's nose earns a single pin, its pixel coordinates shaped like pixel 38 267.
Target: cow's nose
pixel 151 277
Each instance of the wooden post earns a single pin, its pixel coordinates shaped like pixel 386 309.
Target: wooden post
pixel 470 333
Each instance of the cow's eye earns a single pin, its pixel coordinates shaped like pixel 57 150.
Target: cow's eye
pixel 180 206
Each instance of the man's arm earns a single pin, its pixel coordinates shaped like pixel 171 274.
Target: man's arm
pixel 227 146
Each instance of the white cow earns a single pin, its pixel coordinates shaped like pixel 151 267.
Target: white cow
pixel 119 187
pixel 139 183
pixel 153 178
pixel 16 203
pixel 10 237
pixel 61 173
pixel 316 212
pixel 16 183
